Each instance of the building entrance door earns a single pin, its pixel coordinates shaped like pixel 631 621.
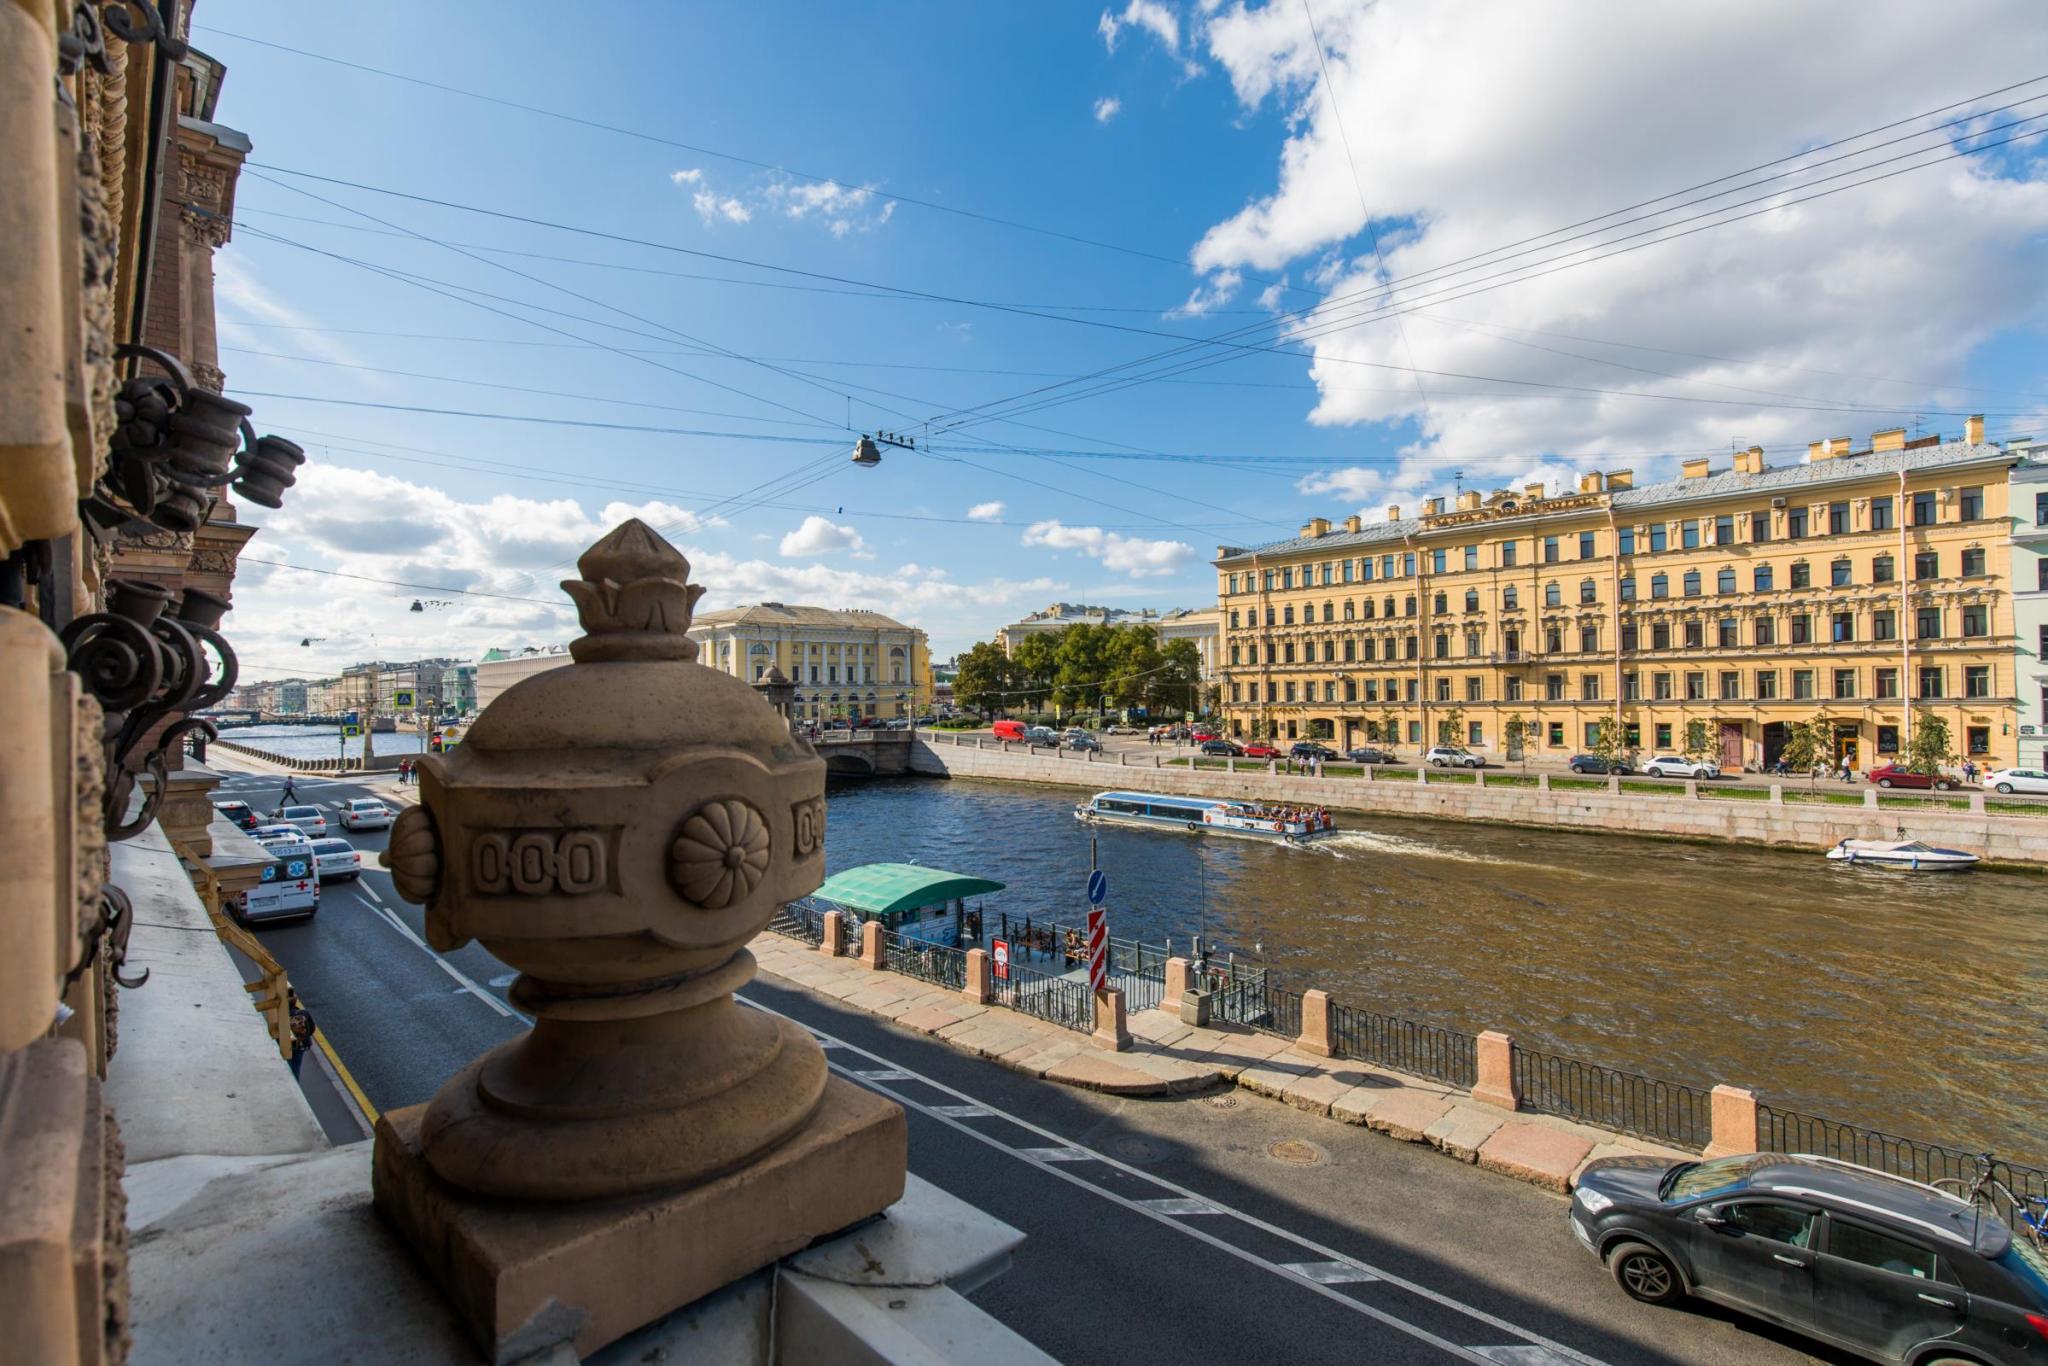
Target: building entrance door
pixel 1774 743
pixel 1731 746
pixel 1845 743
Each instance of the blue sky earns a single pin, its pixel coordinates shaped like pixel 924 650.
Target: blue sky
pixel 1202 139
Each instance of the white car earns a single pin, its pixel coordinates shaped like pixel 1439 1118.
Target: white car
pixel 1678 766
pixel 2010 780
pixel 1450 756
pixel 1121 729
pixel 307 818
pixel 336 859
pixel 365 813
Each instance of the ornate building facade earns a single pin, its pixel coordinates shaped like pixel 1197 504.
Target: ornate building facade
pixel 1859 585
pixel 850 665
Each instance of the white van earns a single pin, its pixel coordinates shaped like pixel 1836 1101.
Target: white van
pixel 290 886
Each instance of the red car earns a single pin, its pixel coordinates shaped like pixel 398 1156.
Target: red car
pixel 1259 749
pixel 1203 735
pixel 1891 775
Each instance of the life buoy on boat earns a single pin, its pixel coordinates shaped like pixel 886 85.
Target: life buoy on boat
pixel 1194 827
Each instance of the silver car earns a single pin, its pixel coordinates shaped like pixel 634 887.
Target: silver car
pixel 365 813
pixel 336 859
pixel 1677 766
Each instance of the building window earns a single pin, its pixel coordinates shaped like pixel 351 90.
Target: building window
pixel 1386 566
pixel 1660 586
pixel 1663 734
pixel 1350 610
pixel 1729 633
pixel 1884 625
pixel 1443 690
pixel 1978 739
pixel 1923 509
pixel 1233 618
pixel 1975 620
pixel 1970 503
pixel 1696 687
pixel 1724 529
pixel 1926 565
pixel 1628 636
pixel 1586 551
pixel 1660 687
pixel 1471 599
pixel 1724 581
pixel 2041 509
pixel 1628 586
pixel 1438 561
pixel 1842 627
pixel 1440 604
pixel 2041 576
pixel 1839 574
pixel 1287 578
pixel 1930 682
pixel 1795 524
pixel 1234 656
pixel 1553 596
pixel 1507 554
pixel 1592 734
pixel 1888 736
pixel 1881 569
pixel 1475 689
pixel 1365 570
pixel 1881 514
pixel 1553 687
pixel 1838 519
pixel 1659 538
pixel 1689 534
pixel 1290 692
pixel 1760 527
pixel 1587 593
pixel 1473 646
pixel 1553 640
pixel 1287 615
pixel 1512 643
pixel 1511 690
pixel 1845 685
pixel 1802 685
pixel 1766 579
pixel 1347 571
pixel 1408 565
pixel 1802 630
pixel 1289 649
pixel 1625 540
pixel 1973 563
pixel 1475 733
pixel 1509 599
pixel 1589 639
pixel 1766 684
pixel 1329 611
pixel 1367 613
pixel 1556 735
pixel 1802 575
pixel 1329 652
pixel 1443 646
pixel 1695 635
pixel 1350 651
pixel 1731 685
pixel 1410 646
pixel 1766 631
pixel 1408 606
pixel 1977 680
pixel 1471 557
pixel 1631 688
pixel 1550 550
pixel 1927 624
pixel 1660 635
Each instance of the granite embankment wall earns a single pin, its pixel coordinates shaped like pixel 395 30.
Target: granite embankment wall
pixel 1680 813
pixel 379 763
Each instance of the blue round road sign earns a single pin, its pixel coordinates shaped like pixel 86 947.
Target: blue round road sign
pixel 1098 886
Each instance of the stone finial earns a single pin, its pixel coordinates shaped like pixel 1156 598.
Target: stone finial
pixel 634 599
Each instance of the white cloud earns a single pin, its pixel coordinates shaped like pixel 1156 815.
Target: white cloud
pixel 1473 126
pixel 1148 15
pixel 986 512
pixel 820 536
pixel 689 177
pixel 1106 108
pixel 1210 294
pixel 711 207
pixel 1117 553
pixel 841 208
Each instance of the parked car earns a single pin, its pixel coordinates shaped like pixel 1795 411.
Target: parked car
pixel 1367 754
pixel 273 830
pixel 2010 780
pixel 1202 735
pixel 1452 756
pixel 307 818
pixel 1008 730
pixel 1259 749
pixel 241 813
pixel 1885 1267
pixel 1678 766
pixel 1121 729
pixel 364 813
pixel 1891 775
pixel 1309 749
pixel 1593 763
pixel 1083 740
pixel 1042 735
pixel 336 858
pixel 1221 747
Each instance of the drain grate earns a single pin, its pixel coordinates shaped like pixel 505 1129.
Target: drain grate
pixel 1141 1152
pixel 1226 1101
pixel 1297 1152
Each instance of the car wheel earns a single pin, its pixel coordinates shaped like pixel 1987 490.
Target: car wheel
pixel 2005 788
pixel 1645 1274
pixel 1944 786
pixel 1884 782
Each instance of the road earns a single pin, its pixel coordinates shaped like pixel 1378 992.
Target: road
pixel 1167 1231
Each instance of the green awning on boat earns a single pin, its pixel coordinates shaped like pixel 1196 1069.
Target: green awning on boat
pixel 885 888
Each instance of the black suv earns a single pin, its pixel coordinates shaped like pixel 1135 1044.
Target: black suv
pixel 1366 754
pixel 1223 748
pixel 1891 1269
pixel 1309 749
pixel 1593 763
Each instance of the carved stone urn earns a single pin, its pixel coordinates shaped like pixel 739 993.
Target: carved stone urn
pixel 617 830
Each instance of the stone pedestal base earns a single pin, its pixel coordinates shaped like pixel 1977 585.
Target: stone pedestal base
pixel 525 1275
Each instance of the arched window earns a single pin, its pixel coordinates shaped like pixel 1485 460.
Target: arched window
pixel 1660 585
pixel 1587 593
pixel 1552 594
pixel 1509 598
pixel 1724 582
pixel 1350 609
pixel 1409 607
pixel 1692 583
pixel 1471 599
pixel 1329 612
pixel 1233 618
pixel 1764 579
pixel 1442 605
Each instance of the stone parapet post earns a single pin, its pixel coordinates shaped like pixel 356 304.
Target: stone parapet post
pixel 1778 795
pixel 1692 789
pixel 1543 782
pixel 1112 1031
pixel 1180 976
pixel 1315 1024
pixel 1496 1085
pixel 1734 1113
pixel 978 989
pixel 1976 803
pixel 1870 798
pixel 872 955
pixel 1479 777
pixel 832 942
pixel 1421 772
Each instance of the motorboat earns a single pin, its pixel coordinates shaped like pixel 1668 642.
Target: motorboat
pixel 1208 816
pixel 1915 856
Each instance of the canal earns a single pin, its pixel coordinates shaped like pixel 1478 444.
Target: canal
pixel 1915 1005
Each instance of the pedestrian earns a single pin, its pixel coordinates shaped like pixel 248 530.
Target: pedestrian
pixel 291 794
pixel 302 1031
pixel 1845 768
pixel 1969 770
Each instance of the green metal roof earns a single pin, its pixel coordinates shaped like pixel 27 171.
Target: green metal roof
pixel 884 888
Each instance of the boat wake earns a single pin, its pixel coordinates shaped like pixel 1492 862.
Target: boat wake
pixel 1363 843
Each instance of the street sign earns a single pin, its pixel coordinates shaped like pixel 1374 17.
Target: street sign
pixel 351 730
pixel 1098 886
pixel 1098 947
pixel 403 697
pixel 999 959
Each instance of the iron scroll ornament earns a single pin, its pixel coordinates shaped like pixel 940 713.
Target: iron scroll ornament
pixel 117 918
pixel 147 667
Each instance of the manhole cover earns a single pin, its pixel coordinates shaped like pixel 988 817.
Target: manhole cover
pixel 1226 1101
pixel 1131 1148
pixel 1298 1152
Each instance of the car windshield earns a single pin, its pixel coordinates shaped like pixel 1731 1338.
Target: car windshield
pixel 1718 1176
pixel 2028 1265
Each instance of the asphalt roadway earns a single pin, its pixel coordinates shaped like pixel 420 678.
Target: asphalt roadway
pixel 1201 1228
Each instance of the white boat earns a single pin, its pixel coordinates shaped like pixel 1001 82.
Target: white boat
pixel 1915 856
pixel 1208 816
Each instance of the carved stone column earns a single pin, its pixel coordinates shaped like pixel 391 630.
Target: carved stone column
pixel 618 830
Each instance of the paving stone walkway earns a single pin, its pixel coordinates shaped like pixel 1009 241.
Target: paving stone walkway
pixel 1168 1057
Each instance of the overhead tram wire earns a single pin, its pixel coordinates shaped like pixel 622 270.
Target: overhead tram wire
pixel 699 150
pixel 398 583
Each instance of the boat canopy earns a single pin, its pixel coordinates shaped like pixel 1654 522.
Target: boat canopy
pixel 887 888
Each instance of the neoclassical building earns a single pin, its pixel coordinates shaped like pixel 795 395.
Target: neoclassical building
pixel 845 663
pixel 1861 586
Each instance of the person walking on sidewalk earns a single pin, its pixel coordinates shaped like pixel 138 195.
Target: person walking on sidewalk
pixel 302 1032
pixel 291 794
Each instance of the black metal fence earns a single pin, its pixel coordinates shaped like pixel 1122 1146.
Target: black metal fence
pixel 1283 1011
pixel 1788 1131
pixel 1062 1002
pixel 1663 1111
pixel 1422 1050
pixel 799 920
pixel 938 964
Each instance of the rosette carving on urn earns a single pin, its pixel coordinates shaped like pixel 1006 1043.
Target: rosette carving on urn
pixel 721 854
pixel 413 854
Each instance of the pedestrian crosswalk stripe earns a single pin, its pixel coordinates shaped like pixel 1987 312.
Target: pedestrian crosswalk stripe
pixel 1175 1204
pixel 1058 1154
pixel 960 1111
pixel 1329 1273
pixel 883 1074
pixel 1520 1355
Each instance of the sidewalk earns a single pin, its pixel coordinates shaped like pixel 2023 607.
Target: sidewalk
pixel 1168 1057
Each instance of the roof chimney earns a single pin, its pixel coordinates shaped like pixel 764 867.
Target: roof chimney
pixel 1393 512
pixel 1354 523
pixel 1694 469
pixel 1589 483
pixel 1838 445
pixel 1750 461
pixel 1532 491
pixel 1891 439
pixel 1620 479
pixel 1317 528
pixel 1468 501
pixel 1434 508
pixel 1973 430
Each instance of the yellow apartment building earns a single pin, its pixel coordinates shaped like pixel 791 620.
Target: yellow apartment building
pixel 1857 585
pixel 845 663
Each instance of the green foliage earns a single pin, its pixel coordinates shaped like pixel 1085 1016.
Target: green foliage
pixel 1928 748
pixel 984 679
pixel 1390 728
pixel 1450 727
pixel 1696 744
pixel 1809 747
pixel 1519 737
pixel 1610 741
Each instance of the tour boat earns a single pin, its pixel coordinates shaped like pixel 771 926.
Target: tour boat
pixel 1914 856
pixel 1207 816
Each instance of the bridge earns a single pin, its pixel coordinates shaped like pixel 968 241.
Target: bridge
pixel 865 753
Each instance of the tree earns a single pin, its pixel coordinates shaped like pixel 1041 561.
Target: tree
pixel 984 678
pixel 1696 745
pixel 1034 662
pixel 1179 680
pixel 1610 742
pixel 1390 728
pixel 1517 735
pixel 1807 746
pixel 1927 749
pixel 1450 727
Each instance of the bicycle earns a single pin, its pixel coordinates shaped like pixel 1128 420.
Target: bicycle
pixel 2029 1212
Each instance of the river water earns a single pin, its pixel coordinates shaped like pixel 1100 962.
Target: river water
pixel 319 742
pixel 1915 1005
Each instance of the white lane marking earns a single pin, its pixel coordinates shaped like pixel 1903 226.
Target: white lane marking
pixel 1060 1154
pixel 884 1074
pixel 371 892
pixel 1520 1356
pixel 462 978
pixel 961 1111
pixel 1437 1297
pixel 1332 1273
pixel 1174 1204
